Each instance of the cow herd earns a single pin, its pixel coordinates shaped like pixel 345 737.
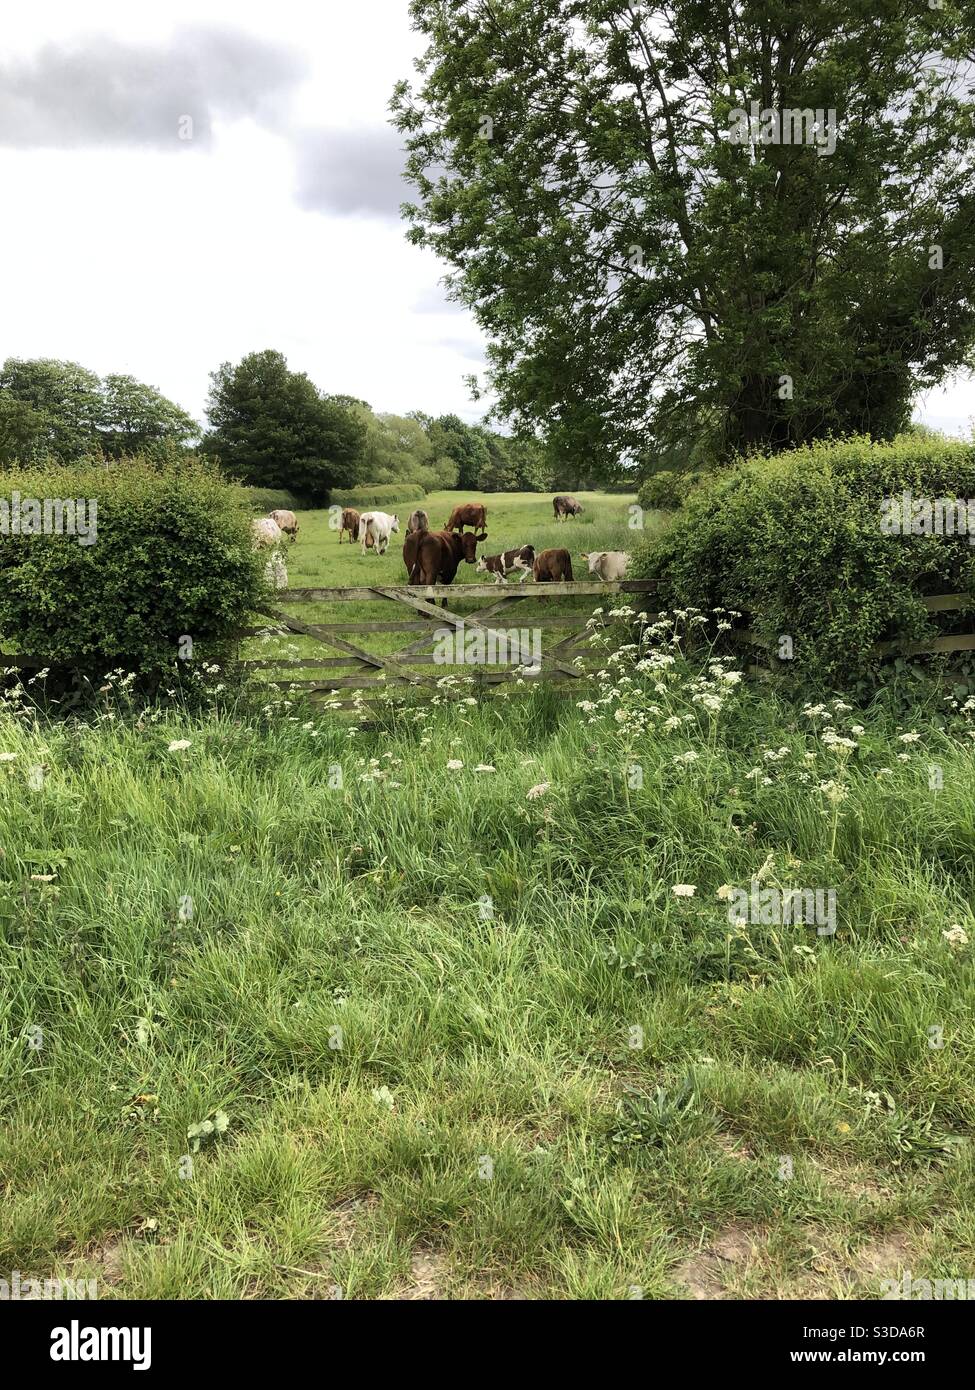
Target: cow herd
pixel 433 557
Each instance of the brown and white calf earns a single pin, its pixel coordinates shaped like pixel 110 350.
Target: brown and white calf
pixel 503 565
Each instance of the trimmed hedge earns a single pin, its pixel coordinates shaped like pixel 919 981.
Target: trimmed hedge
pixel 797 543
pixel 171 558
pixel 259 501
pixel 380 495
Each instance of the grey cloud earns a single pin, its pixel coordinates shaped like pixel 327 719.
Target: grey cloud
pixel 351 171
pixel 464 347
pixel 97 91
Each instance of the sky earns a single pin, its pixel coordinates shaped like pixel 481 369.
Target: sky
pixel 187 182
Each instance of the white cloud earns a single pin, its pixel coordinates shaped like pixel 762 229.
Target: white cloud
pixel 274 227
pixel 132 252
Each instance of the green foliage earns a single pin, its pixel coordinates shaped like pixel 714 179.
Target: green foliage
pixel 797 542
pixel 463 445
pixel 172 558
pixel 271 427
pixel 638 270
pixel 513 464
pixel 397 451
pixel 25 432
pixel 208 1130
pixel 336 978
pixel 661 490
pixel 62 411
pixel 136 417
pixel 669 490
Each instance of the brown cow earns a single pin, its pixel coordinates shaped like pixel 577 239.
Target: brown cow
pixel 432 557
pixel 350 523
pixel 565 506
pixel 467 514
pixel 419 521
pixel 552 567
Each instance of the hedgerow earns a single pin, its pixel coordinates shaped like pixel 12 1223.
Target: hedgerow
pixel 380 495
pixel 259 501
pixel 797 544
pixel 169 557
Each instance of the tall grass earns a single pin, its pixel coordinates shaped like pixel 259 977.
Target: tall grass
pixel 467 1037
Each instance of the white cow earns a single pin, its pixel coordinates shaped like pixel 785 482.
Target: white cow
pixel 379 525
pixel 607 564
pixel 265 532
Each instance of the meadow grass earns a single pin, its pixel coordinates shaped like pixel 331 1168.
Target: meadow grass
pixel 467 1039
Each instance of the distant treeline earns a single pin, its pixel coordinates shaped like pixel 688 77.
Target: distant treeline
pixel 267 427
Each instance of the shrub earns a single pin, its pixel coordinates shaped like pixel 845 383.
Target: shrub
pixel 380 495
pixel 660 490
pixel 797 543
pixel 171 558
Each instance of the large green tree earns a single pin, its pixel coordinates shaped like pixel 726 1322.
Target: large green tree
pixel 271 427
pixel 136 418
pixel 650 256
pixel 65 404
pixel 463 444
pixel 63 411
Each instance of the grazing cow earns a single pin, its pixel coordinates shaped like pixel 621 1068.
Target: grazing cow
pixel 552 566
pixel 350 523
pixel 467 514
pixel 502 565
pixel 265 533
pixel 565 506
pixel 419 521
pixel 287 521
pixel 379 526
pixel 432 557
pixel 607 564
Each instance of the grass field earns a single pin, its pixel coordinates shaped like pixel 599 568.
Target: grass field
pixel 317 560
pixel 514 518
pixel 454 1031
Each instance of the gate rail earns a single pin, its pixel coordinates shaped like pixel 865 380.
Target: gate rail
pixel 558 665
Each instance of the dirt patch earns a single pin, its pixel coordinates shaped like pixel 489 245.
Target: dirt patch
pixel 854 1180
pixel 735 1148
pixel 838 1273
pixel 428 1275
pixel 346 1217
pixel 107 1260
pixel 709 1273
pixel 882 1258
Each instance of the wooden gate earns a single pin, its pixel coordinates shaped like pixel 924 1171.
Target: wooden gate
pixel 562 663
